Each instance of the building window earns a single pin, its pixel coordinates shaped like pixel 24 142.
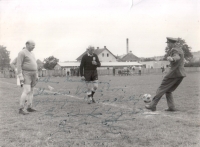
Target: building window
pixel 107 55
pixel 102 54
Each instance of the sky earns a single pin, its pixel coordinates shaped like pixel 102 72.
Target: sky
pixel 65 28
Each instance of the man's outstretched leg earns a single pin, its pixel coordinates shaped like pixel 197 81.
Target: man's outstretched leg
pixel 170 102
pixel 165 86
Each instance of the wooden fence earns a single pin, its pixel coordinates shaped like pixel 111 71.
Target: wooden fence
pixel 62 73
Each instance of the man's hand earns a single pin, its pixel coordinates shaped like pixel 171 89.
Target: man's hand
pixel 94 62
pixel 83 78
pixel 170 59
pixel 185 61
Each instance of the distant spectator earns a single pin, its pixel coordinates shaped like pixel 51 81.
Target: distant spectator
pixel 119 72
pixel 67 72
pixel 113 71
pixel 71 71
pixel 140 72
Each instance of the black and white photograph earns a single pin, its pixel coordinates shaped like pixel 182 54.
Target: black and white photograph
pixel 100 73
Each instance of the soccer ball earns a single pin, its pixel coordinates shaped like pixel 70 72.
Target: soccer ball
pixel 146 98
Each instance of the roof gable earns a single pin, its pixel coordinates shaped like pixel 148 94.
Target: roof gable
pixel 130 57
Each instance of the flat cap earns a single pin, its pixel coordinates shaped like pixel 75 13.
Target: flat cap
pixel 172 40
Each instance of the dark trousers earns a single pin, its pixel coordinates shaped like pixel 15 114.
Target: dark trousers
pixel 167 86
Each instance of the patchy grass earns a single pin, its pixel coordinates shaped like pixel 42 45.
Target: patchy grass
pixel 117 119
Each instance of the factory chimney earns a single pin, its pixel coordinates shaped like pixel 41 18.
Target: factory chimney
pixel 127 50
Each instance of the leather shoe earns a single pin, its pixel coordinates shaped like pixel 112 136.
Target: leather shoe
pixel 31 110
pixel 150 107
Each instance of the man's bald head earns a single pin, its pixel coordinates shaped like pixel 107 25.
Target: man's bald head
pixel 30 42
pixel 30 45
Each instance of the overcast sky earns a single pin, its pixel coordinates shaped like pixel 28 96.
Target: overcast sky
pixel 65 28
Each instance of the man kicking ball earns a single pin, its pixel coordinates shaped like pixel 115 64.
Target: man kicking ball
pixel 173 78
pixel 88 71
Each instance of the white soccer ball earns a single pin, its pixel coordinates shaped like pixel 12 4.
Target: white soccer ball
pixel 147 98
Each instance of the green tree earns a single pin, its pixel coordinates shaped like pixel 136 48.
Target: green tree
pixel 50 62
pixel 186 49
pixel 4 58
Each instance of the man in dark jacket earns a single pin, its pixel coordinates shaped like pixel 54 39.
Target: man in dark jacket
pixel 88 72
pixel 173 78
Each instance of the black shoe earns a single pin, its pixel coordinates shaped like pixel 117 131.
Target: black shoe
pixel 171 109
pixel 21 111
pixel 31 110
pixel 150 107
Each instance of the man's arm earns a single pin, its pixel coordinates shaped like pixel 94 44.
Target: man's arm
pixel 175 55
pixel 98 62
pixel 20 60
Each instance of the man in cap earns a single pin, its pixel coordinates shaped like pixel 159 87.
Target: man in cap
pixel 28 75
pixel 89 63
pixel 173 78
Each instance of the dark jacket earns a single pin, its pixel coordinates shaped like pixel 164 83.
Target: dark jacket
pixel 177 66
pixel 86 63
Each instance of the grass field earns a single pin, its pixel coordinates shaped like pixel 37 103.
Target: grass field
pixel 118 119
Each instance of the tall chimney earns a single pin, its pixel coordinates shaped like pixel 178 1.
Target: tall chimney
pixel 127 46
